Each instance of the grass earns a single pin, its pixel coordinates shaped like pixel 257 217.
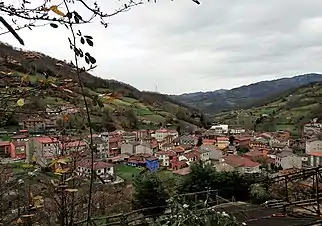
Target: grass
pixel 103 90
pixel 154 118
pixel 290 112
pixel 19 167
pixel 120 102
pixel 127 172
pixel 129 100
pixel 143 111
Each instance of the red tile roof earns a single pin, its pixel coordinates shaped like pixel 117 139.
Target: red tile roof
pixel 19 136
pixel 315 153
pixel 208 141
pixel 191 154
pixel 4 143
pixel 238 161
pixel 46 140
pixel 97 165
pixel 19 144
pixel 73 144
pixel 223 138
pixel 255 153
pixel 162 131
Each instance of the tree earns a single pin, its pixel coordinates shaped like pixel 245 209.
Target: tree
pixel 231 140
pixel 149 192
pixel 132 118
pixel 199 142
pixel 199 179
pixel 258 193
pixel 179 130
pixel 242 149
pixel 204 177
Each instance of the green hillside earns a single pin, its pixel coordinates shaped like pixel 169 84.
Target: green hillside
pixel 288 111
pixel 43 82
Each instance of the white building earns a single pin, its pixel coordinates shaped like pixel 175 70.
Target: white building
pixel 104 170
pixel 288 160
pixel 220 128
pixel 161 134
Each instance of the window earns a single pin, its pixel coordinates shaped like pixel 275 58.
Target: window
pixel 108 169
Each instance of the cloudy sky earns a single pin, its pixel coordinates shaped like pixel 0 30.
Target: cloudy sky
pixel 178 46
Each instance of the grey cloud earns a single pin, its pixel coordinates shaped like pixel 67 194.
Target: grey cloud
pixel 181 47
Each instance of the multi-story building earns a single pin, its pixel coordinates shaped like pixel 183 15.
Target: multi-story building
pixel 43 149
pixel 313 149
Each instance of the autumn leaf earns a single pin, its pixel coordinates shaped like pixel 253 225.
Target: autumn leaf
pixel 19 221
pixel 61 171
pixel 56 10
pixel 21 102
pixel 65 118
pixel 53 162
pixel 24 78
pixel 38 201
pixel 62 161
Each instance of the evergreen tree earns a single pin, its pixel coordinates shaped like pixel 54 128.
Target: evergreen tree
pixel 149 192
pixel 199 143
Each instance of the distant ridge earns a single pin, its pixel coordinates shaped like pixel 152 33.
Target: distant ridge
pixel 224 99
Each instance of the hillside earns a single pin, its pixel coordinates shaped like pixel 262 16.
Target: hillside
pixel 46 83
pixel 217 101
pixel 289 110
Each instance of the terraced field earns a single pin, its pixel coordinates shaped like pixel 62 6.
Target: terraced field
pixel 44 82
pixel 289 111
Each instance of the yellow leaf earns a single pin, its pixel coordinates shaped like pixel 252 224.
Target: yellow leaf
pixel 56 10
pixel 38 201
pixel 60 171
pixel 62 161
pixel 27 166
pixel 24 78
pixel 53 162
pixel 21 102
pixel 71 190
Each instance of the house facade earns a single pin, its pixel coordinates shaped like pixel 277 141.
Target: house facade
pixel 288 160
pixel 18 150
pixel 152 163
pixel 313 149
pixel 187 139
pixel 164 157
pixel 43 149
pixel 222 142
pixel 205 156
pixel 102 147
pixel 104 170
pixel 238 163
pixel 5 149
pixel 214 152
